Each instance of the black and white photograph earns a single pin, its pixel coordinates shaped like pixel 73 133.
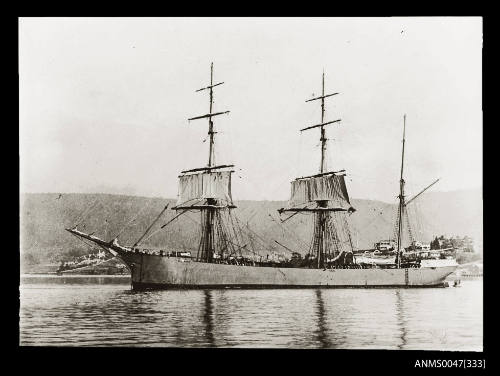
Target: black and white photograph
pixel 251 182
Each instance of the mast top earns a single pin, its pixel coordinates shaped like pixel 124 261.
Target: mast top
pixel 323 138
pixel 403 153
pixel 210 115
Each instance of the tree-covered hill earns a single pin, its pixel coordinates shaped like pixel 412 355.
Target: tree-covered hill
pixel 44 216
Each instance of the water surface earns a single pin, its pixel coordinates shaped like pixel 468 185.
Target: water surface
pixel 104 311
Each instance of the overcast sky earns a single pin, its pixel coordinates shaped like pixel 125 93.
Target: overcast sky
pixel 104 102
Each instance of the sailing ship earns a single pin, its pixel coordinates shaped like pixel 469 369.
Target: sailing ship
pixel 207 190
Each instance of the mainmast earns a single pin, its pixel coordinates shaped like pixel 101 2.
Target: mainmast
pixel 323 194
pixel 401 197
pixel 321 217
pixel 323 138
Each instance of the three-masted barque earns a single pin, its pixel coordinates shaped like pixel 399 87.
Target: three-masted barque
pixel 329 262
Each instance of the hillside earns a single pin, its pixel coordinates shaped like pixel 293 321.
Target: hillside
pixel 45 215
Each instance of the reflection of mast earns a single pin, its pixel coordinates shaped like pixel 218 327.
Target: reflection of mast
pixel 208 318
pixel 400 317
pixel 322 327
pixel 323 194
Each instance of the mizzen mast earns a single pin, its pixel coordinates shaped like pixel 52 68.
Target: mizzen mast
pixel 401 198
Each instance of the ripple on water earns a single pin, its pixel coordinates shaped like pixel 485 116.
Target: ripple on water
pixel 113 315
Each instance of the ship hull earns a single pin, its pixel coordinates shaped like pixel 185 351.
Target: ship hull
pixel 160 272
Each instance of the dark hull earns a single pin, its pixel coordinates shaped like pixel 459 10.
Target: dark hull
pixel 159 286
pixel 160 272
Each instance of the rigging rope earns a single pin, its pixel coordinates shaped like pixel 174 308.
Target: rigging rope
pixel 81 217
pixel 133 219
pixel 99 199
pixel 164 225
pixel 90 244
pixel 408 225
pixel 263 241
pixel 233 227
pixel 241 232
pixel 302 244
pixel 150 226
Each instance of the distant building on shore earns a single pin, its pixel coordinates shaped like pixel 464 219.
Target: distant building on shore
pixel 464 244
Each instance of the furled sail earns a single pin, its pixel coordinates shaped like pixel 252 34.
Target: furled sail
pixel 330 188
pixel 195 188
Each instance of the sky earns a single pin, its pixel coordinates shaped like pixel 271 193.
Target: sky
pixel 104 102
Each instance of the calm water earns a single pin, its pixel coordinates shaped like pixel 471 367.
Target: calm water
pixel 94 311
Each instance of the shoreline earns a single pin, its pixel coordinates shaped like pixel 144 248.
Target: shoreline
pixel 28 275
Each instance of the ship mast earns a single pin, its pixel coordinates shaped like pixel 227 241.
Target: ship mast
pixel 325 196
pixel 208 210
pixel 323 138
pixel 210 115
pixel 401 198
pixel 321 216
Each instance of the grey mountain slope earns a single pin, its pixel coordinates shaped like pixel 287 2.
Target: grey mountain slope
pixel 45 215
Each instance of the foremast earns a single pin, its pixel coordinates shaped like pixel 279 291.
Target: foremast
pixel 208 189
pixel 325 195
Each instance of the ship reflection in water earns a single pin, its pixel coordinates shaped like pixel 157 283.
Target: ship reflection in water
pixel 110 314
pixel 208 319
pixel 321 331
